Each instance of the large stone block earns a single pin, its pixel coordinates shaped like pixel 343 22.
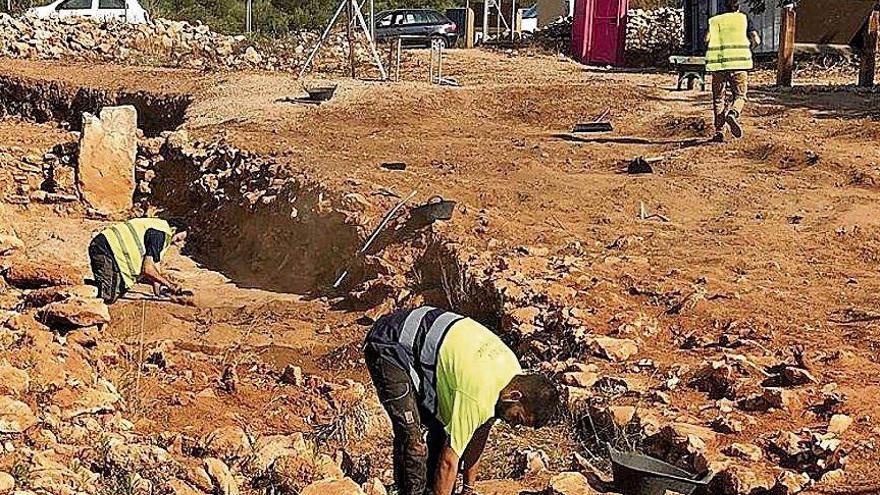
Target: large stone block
pixel 107 151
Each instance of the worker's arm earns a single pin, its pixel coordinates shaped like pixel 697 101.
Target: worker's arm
pixel 472 455
pixel 150 272
pixel 447 470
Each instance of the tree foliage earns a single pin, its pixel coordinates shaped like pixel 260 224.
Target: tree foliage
pixel 270 17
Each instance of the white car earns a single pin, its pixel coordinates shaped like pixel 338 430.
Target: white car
pixel 128 10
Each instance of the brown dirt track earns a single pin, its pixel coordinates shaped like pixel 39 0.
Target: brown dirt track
pixel 780 241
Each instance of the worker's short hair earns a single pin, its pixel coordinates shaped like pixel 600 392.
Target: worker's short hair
pixel 540 397
pixel 177 223
pixel 732 5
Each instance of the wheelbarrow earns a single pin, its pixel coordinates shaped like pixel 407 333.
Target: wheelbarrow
pixel 320 93
pixel 435 209
pixel 639 474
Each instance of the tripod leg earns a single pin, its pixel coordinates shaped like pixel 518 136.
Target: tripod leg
pixel 348 34
pixel 376 57
pixel 323 37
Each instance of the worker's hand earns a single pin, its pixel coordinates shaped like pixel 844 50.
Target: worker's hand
pixel 171 289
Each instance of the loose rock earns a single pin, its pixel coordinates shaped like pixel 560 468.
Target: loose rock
pixel 15 416
pixel 224 483
pixel 569 483
pixel 107 151
pixel 75 312
pixel 613 349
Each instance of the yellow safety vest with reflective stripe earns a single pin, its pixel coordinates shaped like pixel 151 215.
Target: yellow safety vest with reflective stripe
pixel 126 240
pixel 729 47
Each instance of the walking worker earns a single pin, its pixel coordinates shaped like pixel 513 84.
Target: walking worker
pixel 439 370
pixel 731 39
pixel 128 252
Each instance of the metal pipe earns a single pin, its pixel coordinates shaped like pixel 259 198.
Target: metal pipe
pixel 375 234
pixel 512 18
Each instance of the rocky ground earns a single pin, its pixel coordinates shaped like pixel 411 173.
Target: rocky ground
pixel 717 313
pixel 165 43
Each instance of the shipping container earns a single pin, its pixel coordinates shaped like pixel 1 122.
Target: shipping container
pixel 822 25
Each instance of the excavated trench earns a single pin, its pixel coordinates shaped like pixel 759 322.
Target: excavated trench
pixel 52 101
pixel 263 227
pixel 250 219
pixel 254 223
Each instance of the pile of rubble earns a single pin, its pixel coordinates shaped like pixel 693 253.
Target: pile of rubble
pixel 555 35
pixel 160 42
pixel 653 35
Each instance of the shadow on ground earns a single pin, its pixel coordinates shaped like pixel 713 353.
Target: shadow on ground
pixel 830 102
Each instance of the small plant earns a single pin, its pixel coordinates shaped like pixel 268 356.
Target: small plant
pixel 122 482
pixel 21 473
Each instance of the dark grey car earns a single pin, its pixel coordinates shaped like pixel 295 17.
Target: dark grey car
pixel 416 26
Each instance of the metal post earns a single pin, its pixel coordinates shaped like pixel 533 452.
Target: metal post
pixel 439 65
pixel 431 66
pixel 485 20
pixel 248 16
pixel 785 62
pixel 372 20
pixel 512 18
pixel 498 19
pixel 468 42
pixel 348 34
pixel 868 71
pixel 397 66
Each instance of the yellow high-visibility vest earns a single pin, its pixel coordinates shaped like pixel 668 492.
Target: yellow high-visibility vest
pixel 126 240
pixel 729 47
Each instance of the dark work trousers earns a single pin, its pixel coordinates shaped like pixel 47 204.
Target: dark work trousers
pixel 415 457
pixel 104 271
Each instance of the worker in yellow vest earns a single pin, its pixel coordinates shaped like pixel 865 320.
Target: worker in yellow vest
pixel 731 39
pixel 128 252
pixel 451 375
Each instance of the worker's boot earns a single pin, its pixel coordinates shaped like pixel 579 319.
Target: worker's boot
pixel 732 120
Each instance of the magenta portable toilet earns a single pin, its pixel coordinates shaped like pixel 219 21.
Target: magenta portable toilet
pixel 598 34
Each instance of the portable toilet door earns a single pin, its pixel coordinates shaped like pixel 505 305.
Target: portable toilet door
pixel 609 32
pixel 599 31
pixel 581 30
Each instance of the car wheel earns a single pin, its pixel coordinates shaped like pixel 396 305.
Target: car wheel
pixel 438 43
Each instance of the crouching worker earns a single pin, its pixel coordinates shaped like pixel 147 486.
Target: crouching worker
pixel 449 374
pixel 128 252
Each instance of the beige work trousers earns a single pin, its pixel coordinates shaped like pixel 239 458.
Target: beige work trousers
pixel 729 91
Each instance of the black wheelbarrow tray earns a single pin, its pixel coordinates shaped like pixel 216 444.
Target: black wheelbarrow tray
pixel 638 474
pixel 435 209
pixel 320 93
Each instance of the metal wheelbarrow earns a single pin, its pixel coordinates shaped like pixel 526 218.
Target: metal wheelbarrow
pixel 639 474
pixel 320 93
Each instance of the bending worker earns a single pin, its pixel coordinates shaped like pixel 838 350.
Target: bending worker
pixel 128 252
pixel 448 373
pixel 731 38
